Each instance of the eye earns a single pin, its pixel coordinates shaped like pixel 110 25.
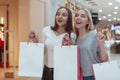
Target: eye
pixel 57 14
pixel 64 14
pixel 83 15
pixel 76 15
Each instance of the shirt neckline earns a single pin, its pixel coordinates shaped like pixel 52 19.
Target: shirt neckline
pixel 55 34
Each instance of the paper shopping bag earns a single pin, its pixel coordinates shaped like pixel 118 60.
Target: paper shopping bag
pixel 65 63
pixel 31 59
pixel 106 71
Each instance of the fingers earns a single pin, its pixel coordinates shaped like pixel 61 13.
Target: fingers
pixel 100 35
pixel 66 40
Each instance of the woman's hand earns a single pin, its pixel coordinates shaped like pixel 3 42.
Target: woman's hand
pixel 66 40
pixel 100 38
pixel 103 55
pixel 32 37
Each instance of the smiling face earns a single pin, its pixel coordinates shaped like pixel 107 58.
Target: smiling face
pixel 81 19
pixel 61 17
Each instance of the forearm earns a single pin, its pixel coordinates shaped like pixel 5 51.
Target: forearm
pixel 103 53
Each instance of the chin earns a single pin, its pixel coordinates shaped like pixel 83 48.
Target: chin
pixel 61 25
pixel 78 26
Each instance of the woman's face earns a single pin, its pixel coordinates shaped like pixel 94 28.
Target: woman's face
pixel 81 19
pixel 61 17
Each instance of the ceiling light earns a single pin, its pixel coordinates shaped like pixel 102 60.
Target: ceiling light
pixel 118 19
pixel 114 18
pixel 110 3
pixel 100 10
pixel 109 19
pixel 115 12
pixel 100 18
pixel 116 7
pixel 104 17
pixel 109 15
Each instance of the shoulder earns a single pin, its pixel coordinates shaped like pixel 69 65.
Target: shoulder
pixel 47 29
pixel 93 33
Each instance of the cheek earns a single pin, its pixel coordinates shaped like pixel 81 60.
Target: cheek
pixel 87 21
pixel 55 18
pixel 65 20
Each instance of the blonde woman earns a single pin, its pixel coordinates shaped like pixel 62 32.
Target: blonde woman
pixel 90 43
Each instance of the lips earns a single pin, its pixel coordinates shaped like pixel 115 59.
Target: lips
pixel 60 21
pixel 78 22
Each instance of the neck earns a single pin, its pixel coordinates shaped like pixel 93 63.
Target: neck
pixel 60 30
pixel 82 33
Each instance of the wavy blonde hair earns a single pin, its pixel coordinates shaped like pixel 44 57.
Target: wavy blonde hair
pixel 90 26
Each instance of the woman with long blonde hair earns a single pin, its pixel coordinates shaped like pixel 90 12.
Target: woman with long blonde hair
pixel 89 41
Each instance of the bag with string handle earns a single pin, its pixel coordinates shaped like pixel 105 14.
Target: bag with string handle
pixel 31 59
pixel 66 61
pixel 106 70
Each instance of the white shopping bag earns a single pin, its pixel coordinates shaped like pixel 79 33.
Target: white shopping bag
pixel 31 59
pixel 106 71
pixel 65 63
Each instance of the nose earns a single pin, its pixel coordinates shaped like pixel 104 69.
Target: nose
pixel 60 16
pixel 78 17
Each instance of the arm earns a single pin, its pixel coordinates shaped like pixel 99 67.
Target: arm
pixel 103 54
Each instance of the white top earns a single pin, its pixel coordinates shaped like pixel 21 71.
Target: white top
pixel 50 40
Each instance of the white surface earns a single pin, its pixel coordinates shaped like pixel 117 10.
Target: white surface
pixel 65 63
pixel 31 59
pixel 106 71
pixel 116 56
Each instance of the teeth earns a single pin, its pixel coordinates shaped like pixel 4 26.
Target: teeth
pixel 59 20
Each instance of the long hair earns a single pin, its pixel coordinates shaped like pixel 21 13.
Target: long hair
pixel 89 26
pixel 69 25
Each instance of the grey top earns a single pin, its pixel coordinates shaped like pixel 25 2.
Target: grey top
pixel 89 53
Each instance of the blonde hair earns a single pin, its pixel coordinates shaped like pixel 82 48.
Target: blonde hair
pixel 90 26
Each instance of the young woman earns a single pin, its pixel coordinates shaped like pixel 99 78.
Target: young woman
pixel 54 35
pixel 90 43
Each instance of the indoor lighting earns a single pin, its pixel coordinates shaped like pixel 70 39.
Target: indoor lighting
pixel 114 18
pixel 118 19
pixel 1 20
pixel 100 10
pixel 109 19
pixel 110 3
pixel 100 19
pixel 109 14
pixel 116 7
pixel 104 17
pixel 115 12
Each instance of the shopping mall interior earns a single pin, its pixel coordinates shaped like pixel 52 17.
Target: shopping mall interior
pixel 19 17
